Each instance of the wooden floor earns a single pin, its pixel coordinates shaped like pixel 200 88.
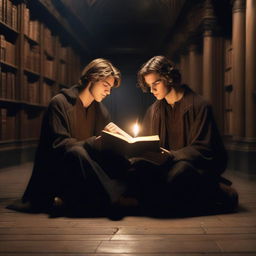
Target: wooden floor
pixel 36 234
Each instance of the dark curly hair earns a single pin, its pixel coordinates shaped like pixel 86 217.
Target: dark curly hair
pixel 162 66
pixel 99 69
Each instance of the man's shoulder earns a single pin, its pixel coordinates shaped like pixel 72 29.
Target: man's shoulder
pixel 66 96
pixel 196 100
pixel 57 100
pixel 200 101
pixel 60 102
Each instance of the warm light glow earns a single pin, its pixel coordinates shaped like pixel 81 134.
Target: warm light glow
pixel 136 129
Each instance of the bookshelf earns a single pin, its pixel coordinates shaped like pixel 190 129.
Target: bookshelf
pixel 37 59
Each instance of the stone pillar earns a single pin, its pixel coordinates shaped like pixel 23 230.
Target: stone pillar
pixel 238 44
pixel 250 93
pixel 195 69
pixel 213 69
pixel 184 65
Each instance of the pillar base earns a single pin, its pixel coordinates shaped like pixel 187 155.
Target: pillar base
pixel 242 156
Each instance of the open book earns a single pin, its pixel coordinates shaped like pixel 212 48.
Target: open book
pixel 122 143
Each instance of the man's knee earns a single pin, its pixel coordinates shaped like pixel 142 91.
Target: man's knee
pixel 182 170
pixel 75 152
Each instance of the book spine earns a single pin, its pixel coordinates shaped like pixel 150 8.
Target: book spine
pixel 14 17
pixel 25 88
pixel 10 126
pixel 26 21
pixel 13 91
pixel 3 48
pixel 4 11
pixel 9 13
pixel 3 124
pixel 26 53
pixel 1 10
pixel 8 85
pixel 3 82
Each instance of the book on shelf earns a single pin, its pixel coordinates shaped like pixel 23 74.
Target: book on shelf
pixel 3 93
pixel 10 85
pixel 8 13
pixel 31 90
pixel 31 56
pixel 7 85
pixel 2 48
pixel 48 68
pixel 33 31
pixel 11 126
pixel 26 21
pixel 14 17
pixel 47 93
pixel 10 53
pixel 122 143
pixel 48 42
pixel 3 123
pixel 7 125
pixel 7 50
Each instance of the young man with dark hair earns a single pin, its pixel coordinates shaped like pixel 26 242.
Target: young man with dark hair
pixel 190 139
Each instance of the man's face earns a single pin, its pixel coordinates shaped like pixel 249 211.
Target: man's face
pixel 157 84
pixel 102 88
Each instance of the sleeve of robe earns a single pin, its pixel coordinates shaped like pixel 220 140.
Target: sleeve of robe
pixel 205 149
pixel 61 139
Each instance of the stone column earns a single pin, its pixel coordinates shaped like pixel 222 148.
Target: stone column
pixel 209 24
pixel 238 44
pixel 195 69
pixel 213 69
pixel 184 65
pixel 250 93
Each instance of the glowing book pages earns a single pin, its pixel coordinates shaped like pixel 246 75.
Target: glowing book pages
pixel 122 143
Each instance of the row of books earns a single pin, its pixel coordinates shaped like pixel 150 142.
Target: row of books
pixel 7 50
pixel 32 92
pixel 8 13
pixel 7 125
pixel 32 56
pixel 7 85
pixel 31 89
pixel 30 124
pixel 31 27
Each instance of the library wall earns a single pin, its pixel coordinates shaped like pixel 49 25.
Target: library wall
pixel 36 61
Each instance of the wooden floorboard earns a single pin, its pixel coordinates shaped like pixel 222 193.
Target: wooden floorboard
pixel 36 234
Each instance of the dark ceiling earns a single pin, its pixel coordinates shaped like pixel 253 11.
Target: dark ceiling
pixel 120 27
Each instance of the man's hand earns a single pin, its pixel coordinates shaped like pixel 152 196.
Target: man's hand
pixel 157 158
pixel 111 127
pixel 165 151
pixel 97 143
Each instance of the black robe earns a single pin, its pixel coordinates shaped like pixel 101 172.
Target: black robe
pixel 189 131
pixel 190 177
pixel 66 125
